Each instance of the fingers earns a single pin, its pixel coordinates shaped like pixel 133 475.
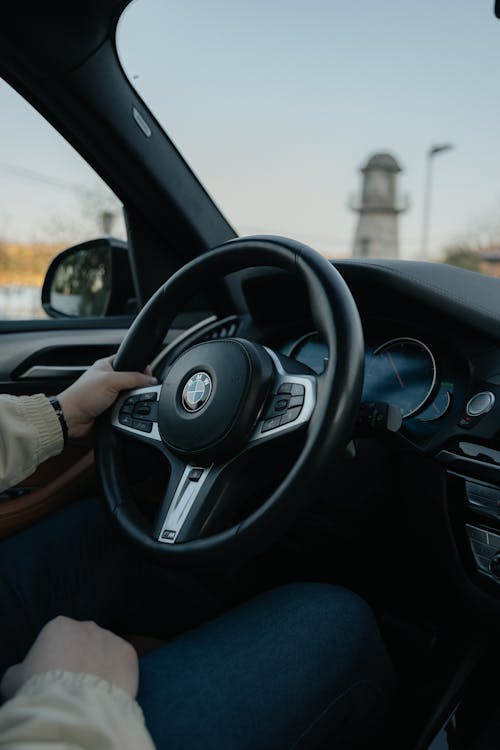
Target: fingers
pixel 124 381
pixel 95 391
pixel 106 364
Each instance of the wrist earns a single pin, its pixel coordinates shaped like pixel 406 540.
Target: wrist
pixel 76 427
pixel 56 405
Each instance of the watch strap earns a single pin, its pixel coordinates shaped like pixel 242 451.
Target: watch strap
pixel 54 402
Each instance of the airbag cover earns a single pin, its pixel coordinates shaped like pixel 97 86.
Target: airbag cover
pixel 212 396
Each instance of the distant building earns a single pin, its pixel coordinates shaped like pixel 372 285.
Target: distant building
pixel 379 207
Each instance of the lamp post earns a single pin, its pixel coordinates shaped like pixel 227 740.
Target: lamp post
pixel 433 150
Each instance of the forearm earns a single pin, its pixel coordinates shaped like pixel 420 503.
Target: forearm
pixel 63 709
pixel 30 431
pixel 29 434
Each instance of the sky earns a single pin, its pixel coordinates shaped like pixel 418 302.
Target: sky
pixel 276 104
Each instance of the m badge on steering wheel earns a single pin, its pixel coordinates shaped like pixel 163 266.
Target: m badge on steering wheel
pixel 197 391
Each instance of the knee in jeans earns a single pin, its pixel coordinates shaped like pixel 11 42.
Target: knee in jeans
pixel 340 622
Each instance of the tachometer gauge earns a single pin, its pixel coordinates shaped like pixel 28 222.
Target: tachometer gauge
pixel 439 405
pixel 311 351
pixel 402 372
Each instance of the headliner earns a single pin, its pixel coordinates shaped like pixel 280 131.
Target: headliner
pixel 56 37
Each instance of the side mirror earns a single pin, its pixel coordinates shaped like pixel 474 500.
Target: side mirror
pixel 93 279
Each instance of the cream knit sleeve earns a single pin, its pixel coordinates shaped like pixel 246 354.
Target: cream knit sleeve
pixel 67 711
pixel 29 433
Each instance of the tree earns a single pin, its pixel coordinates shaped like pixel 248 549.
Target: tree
pixel 462 256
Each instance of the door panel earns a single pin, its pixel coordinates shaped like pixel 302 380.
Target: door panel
pixel 48 361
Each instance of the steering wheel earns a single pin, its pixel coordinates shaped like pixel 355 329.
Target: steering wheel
pixel 226 408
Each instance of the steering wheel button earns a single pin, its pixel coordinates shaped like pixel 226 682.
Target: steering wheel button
pixel 285 388
pixel 291 415
pixel 140 424
pixel 142 410
pixel 126 420
pixel 481 403
pixel 271 424
pixel 149 396
pixel 297 389
pixel 195 475
pixel 296 401
pixel 127 409
pixel 276 406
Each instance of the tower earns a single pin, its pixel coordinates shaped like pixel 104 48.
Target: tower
pixel 379 207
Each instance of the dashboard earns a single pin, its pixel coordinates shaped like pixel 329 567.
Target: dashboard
pixel 426 352
pixel 432 349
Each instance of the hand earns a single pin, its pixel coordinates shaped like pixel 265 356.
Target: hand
pixel 76 647
pixel 94 392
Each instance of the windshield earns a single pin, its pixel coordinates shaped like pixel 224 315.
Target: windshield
pixel 365 129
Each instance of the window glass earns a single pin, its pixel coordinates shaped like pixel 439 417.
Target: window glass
pixel 50 199
pixel 362 128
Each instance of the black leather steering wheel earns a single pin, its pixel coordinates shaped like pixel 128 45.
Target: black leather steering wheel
pixel 225 405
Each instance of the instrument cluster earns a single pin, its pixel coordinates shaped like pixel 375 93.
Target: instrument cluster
pixel 401 371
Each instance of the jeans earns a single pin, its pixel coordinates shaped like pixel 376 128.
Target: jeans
pixel 296 667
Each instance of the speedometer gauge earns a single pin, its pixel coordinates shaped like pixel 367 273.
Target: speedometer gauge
pixel 402 372
pixel 311 351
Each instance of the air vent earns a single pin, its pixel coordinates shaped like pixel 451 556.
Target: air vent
pixel 223 330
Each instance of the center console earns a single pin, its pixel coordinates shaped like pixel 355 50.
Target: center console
pixel 474 484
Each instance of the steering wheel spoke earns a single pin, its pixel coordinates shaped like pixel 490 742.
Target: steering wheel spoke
pixel 187 503
pixel 135 414
pixel 203 499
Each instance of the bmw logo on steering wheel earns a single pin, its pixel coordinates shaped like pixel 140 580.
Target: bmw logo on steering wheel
pixel 197 391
